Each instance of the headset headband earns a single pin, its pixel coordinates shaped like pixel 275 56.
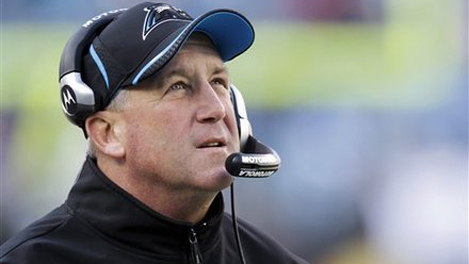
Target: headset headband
pixel 72 55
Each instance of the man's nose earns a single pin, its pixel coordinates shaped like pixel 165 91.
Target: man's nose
pixel 210 106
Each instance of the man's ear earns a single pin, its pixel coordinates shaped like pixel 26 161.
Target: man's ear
pixel 103 129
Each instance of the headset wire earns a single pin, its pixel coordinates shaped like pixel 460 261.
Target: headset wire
pixel 235 225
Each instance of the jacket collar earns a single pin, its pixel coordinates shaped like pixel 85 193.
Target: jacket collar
pixel 116 214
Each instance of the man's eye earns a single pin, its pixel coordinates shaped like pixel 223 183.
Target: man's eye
pixel 218 82
pixel 178 86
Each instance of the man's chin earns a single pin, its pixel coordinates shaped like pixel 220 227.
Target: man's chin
pixel 218 179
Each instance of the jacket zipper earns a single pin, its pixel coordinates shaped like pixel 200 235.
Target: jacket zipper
pixel 195 250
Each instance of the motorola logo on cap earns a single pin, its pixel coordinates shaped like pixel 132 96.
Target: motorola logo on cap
pixel 159 13
pixel 69 100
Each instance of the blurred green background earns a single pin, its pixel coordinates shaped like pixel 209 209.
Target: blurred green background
pixel 352 103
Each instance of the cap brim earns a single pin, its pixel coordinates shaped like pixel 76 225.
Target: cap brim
pixel 230 32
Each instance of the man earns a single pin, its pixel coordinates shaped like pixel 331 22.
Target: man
pixel 161 124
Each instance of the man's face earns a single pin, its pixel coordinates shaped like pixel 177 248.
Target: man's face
pixel 180 127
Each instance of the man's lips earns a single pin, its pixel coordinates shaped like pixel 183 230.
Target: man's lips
pixel 212 143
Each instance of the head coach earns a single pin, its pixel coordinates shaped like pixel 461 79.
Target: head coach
pixel 167 132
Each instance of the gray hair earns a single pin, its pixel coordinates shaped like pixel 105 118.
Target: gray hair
pixel 117 104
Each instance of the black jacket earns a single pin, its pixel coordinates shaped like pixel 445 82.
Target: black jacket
pixel 101 223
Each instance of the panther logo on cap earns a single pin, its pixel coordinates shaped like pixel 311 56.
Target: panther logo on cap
pixel 160 13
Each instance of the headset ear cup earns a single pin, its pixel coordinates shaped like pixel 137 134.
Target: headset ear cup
pixel 244 126
pixel 78 100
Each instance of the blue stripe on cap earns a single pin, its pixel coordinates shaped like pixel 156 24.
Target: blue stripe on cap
pixel 100 65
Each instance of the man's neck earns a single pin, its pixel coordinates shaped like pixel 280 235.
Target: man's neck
pixel 183 205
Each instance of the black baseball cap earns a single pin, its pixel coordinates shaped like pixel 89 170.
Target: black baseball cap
pixel 142 40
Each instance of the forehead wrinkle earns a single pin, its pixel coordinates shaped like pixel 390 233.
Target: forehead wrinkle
pixel 179 71
pixel 185 69
pixel 221 70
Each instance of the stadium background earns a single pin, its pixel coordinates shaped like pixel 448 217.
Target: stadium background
pixel 365 100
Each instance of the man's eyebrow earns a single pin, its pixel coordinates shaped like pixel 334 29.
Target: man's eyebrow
pixel 165 75
pixel 185 72
pixel 220 69
pixel 176 71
